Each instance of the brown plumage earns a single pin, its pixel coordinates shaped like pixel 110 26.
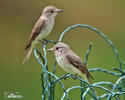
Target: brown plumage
pixel 77 62
pixel 41 29
pixel 40 24
pixel 70 61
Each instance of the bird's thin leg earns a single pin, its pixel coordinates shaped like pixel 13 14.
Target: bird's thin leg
pixel 64 76
pixel 43 41
pixel 74 76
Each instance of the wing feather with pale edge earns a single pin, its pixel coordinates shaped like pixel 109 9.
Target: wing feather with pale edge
pixel 40 25
pixel 76 62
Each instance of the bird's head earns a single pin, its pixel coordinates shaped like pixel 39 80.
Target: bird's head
pixel 50 11
pixel 59 48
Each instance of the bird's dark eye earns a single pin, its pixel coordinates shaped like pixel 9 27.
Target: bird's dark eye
pixel 57 48
pixel 52 11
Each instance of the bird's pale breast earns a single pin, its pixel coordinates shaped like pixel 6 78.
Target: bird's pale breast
pixel 65 65
pixel 46 30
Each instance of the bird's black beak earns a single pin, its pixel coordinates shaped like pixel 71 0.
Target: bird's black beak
pixel 59 10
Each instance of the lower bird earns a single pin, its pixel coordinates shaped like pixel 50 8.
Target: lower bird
pixel 41 29
pixel 69 61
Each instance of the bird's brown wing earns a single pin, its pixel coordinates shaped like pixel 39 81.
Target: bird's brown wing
pixel 77 62
pixel 40 25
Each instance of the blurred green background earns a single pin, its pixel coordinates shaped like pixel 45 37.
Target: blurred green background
pixel 17 18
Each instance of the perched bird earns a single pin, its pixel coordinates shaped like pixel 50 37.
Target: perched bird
pixel 41 29
pixel 69 61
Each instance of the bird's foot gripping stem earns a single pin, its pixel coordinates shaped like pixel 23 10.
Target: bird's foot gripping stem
pixel 43 41
pixel 74 76
pixel 64 76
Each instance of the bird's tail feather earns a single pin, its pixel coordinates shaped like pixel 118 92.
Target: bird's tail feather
pixel 27 55
pixel 86 78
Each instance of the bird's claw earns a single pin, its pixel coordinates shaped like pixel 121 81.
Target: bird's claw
pixel 43 41
pixel 64 76
pixel 74 76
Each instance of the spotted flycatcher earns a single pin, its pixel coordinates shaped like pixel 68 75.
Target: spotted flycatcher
pixel 41 29
pixel 69 61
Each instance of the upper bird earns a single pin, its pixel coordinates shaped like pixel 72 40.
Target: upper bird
pixel 41 29
pixel 69 61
